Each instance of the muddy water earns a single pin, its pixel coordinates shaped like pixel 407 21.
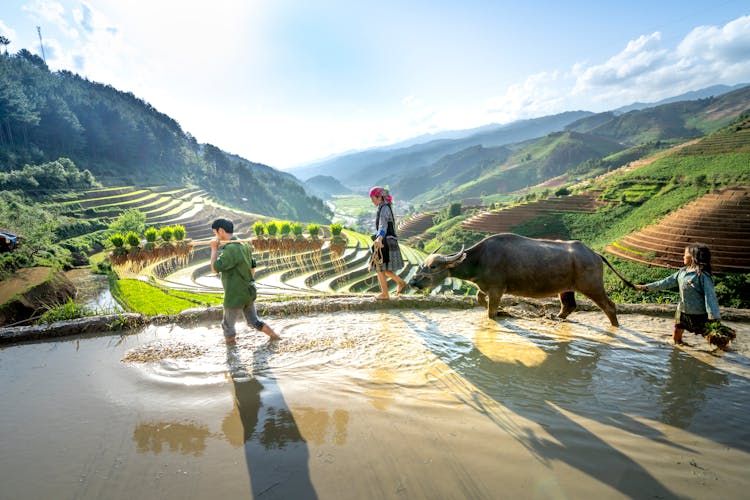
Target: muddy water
pixel 411 404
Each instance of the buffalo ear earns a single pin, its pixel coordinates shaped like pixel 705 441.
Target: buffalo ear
pixel 457 261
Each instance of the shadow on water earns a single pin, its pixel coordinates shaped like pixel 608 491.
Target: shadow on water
pixel 564 383
pixel 276 455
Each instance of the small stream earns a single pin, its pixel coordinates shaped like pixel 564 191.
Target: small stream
pixel 93 291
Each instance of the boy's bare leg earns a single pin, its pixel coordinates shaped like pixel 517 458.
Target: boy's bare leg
pixel 269 331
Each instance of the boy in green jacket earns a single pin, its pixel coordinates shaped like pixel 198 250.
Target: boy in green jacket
pixel 235 264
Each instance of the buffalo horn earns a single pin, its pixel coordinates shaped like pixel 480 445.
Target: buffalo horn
pixel 452 258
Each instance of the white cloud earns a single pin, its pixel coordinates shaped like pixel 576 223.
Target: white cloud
pixel 640 57
pixel 539 94
pixel 643 71
pixel 53 13
pixel 728 45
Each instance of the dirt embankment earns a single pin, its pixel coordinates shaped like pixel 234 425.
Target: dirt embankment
pixel 28 292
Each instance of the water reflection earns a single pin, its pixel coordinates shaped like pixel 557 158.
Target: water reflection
pixel 239 424
pixel 548 391
pixel 185 438
pixel 266 430
pixel 684 393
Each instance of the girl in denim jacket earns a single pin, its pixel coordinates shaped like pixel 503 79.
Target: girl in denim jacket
pixel 698 302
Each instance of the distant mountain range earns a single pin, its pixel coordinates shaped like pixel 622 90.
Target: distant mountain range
pixel 362 169
pixel 123 140
pixel 504 158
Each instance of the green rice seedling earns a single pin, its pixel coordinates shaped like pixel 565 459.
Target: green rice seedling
pixel 178 232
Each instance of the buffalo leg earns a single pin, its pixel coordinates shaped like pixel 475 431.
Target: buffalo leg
pixel 482 298
pixel 493 304
pixel 567 304
pixel 606 305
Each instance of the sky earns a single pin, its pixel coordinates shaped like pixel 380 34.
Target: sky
pixel 288 82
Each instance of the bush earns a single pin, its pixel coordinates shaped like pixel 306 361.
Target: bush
pixel 733 290
pixel 130 220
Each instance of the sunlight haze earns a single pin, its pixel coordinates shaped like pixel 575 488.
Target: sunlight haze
pixel 285 83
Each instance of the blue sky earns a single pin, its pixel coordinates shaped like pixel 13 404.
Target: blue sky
pixel 286 82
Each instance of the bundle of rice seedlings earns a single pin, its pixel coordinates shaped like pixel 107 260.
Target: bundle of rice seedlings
pixel 718 334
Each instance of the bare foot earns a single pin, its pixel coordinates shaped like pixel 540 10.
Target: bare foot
pixel 401 287
pixel 382 297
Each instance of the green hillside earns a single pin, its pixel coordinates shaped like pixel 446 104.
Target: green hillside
pixel 531 163
pixel 383 165
pixel 123 140
pixel 632 197
pixel 454 169
pixel 592 145
pixel 684 119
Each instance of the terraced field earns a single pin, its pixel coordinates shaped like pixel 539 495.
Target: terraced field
pixel 303 272
pixel 504 220
pixel 721 220
pixel 412 228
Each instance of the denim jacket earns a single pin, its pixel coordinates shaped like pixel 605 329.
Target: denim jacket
pixel 697 295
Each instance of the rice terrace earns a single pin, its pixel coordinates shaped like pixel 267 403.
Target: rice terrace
pixel 481 368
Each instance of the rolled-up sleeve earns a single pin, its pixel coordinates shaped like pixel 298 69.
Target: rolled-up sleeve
pixel 668 283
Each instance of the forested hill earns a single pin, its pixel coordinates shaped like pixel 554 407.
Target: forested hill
pixel 122 139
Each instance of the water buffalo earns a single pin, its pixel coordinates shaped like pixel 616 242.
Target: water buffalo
pixel 509 263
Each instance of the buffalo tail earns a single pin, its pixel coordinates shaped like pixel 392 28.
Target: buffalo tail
pixel 615 271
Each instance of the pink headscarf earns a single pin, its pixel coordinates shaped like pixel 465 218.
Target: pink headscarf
pixel 378 191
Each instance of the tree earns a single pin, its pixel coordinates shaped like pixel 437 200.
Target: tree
pixel 5 42
pixel 130 220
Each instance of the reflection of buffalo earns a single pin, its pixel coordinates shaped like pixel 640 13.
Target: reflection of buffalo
pixel 509 263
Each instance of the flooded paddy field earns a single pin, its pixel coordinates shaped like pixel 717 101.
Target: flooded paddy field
pixel 380 404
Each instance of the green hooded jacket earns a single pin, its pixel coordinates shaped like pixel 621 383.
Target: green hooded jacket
pixel 235 264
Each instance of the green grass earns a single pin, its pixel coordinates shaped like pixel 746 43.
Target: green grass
pixel 65 311
pixel 206 299
pixel 138 296
pixel 729 167
pixel 611 223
